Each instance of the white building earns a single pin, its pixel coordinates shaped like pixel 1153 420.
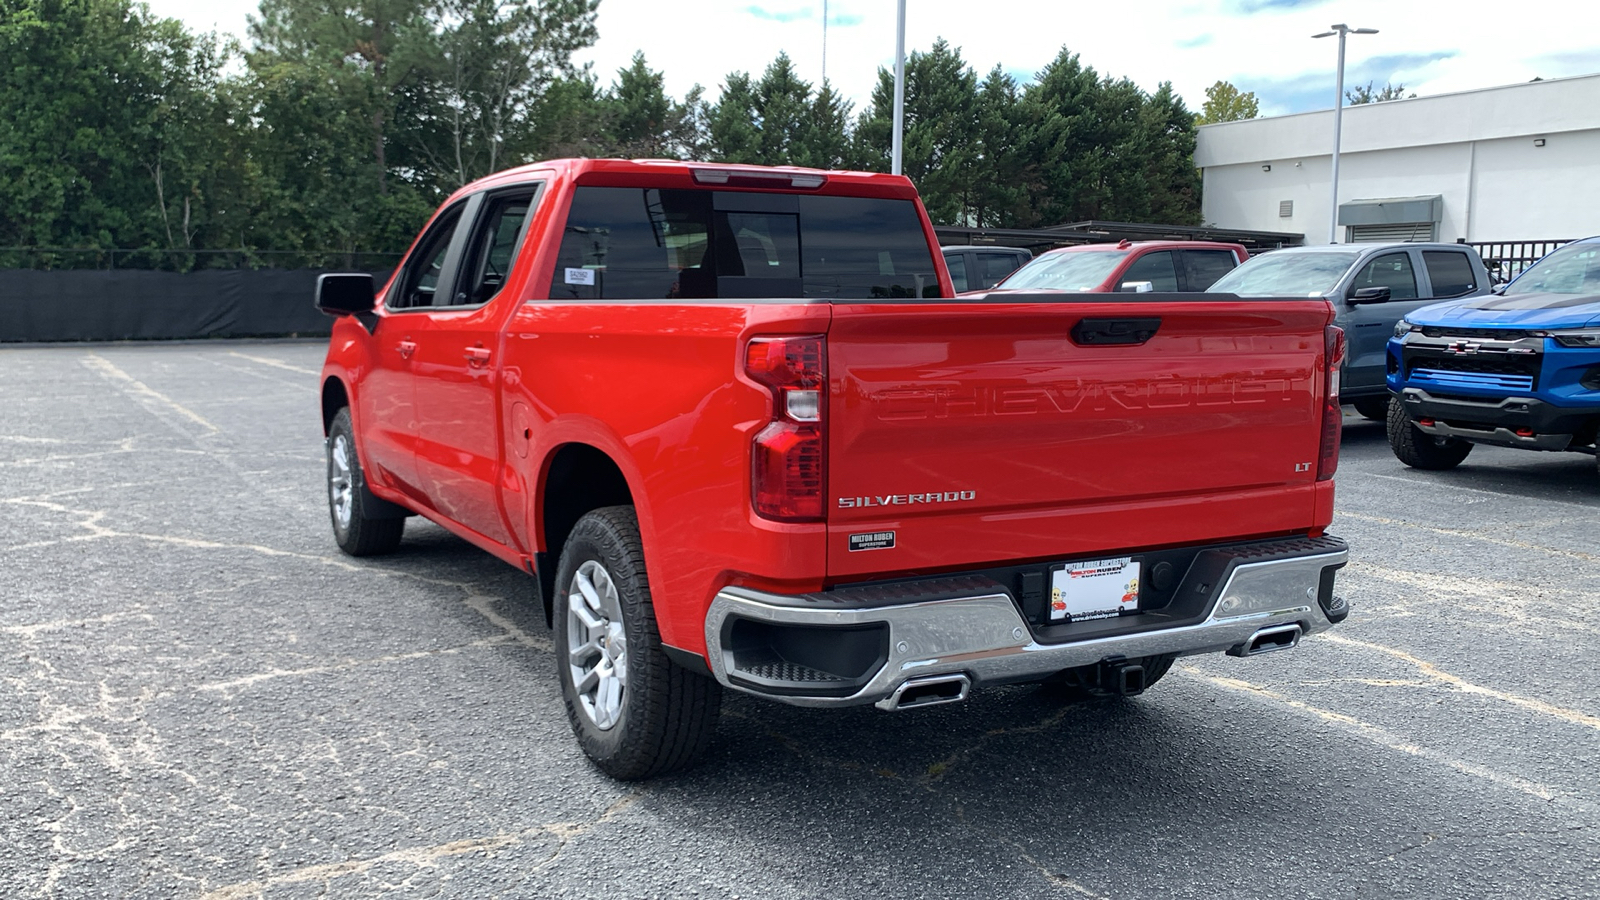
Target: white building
pixel 1513 163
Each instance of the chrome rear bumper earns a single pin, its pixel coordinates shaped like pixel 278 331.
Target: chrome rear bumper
pixel 974 628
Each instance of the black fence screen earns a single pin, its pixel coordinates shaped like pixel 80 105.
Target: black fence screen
pixel 127 304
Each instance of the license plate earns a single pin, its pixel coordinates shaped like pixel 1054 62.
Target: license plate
pixel 1094 589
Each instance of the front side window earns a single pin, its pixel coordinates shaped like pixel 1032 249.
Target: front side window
pixel 1155 268
pixel 426 265
pixel 1391 270
pixel 635 244
pixel 1574 269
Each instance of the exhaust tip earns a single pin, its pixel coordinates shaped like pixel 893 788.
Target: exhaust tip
pixel 930 691
pixel 1267 640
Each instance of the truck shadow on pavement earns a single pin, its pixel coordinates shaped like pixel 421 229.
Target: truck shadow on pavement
pixel 1172 793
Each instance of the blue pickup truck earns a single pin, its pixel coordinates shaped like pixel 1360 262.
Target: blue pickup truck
pixel 1517 368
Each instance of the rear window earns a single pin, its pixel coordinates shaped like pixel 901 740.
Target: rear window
pixel 643 244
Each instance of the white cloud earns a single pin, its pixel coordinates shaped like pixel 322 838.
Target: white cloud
pixel 1439 47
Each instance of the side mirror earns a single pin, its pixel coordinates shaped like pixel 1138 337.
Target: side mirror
pixel 345 294
pixel 1370 295
pixel 1137 287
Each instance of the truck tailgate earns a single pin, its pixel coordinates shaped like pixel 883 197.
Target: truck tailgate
pixel 962 434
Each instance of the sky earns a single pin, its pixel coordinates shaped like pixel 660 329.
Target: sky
pixel 1262 46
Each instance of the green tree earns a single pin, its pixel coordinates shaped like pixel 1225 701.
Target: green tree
pixel 1225 103
pixel 1066 135
pixel 370 111
pixel 1005 175
pixel 114 134
pixel 778 120
pixel 1166 142
pixel 1364 93
pixel 1106 150
pixel 495 59
pixel 645 122
pixel 940 149
pixel 733 122
pixel 825 141
pixel 783 108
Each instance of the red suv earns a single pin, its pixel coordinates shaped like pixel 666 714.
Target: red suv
pixel 1162 266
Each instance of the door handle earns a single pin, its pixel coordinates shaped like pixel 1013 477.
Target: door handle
pixel 477 356
pixel 407 348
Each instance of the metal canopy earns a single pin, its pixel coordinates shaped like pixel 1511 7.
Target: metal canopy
pixel 1392 210
pixel 1099 232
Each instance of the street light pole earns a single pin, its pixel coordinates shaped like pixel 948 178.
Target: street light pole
pixel 1338 121
pixel 899 87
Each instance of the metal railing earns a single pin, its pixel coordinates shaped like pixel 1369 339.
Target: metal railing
pixel 1507 259
pixel 192 260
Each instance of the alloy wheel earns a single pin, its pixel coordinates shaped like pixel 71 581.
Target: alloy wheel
pixel 598 656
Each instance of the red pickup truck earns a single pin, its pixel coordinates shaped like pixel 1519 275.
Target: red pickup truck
pixel 738 426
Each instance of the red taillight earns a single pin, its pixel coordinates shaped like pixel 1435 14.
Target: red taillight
pixel 1332 414
pixel 787 457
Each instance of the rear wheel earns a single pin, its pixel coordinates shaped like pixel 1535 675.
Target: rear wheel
pixel 635 713
pixel 355 528
pixel 1374 408
pixel 1088 682
pixel 1418 449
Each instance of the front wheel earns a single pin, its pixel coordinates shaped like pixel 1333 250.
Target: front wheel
pixel 1418 449
pixel 355 528
pixel 635 713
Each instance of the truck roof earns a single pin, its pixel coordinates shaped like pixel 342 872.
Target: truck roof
pixel 672 173
pixel 1140 245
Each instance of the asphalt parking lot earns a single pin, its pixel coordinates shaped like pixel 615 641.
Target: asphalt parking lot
pixel 204 698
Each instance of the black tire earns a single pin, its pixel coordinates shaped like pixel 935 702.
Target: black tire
pixel 664 715
pixel 1374 408
pixel 1418 449
pixel 356 529
pixel 1083 683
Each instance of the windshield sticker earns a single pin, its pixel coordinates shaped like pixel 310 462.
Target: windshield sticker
pixel 580 276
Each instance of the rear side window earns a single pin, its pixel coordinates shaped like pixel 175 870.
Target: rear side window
pixel 1391 270
pixel 994 267
pixel 1155 268
pixel 1450 272
pixel 1206 266
pixel 639 244
pixel 957 264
